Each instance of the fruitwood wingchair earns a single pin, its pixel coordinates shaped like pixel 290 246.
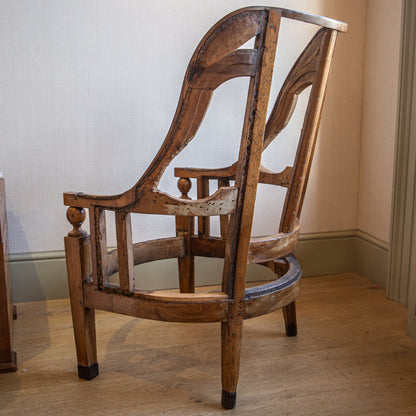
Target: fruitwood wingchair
pixel 89 263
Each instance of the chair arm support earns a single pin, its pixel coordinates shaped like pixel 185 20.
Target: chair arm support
pixel 222 202
pixel 81 200
pixel 219 173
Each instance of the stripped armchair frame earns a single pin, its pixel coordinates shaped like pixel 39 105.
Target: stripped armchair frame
pixel 89 263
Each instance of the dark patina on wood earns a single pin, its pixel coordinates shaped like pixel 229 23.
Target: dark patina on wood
pixel 216 60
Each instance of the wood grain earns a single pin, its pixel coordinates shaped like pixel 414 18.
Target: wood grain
pixel 83 318
pixel 125 250
pixel 185 228
pixel 351 357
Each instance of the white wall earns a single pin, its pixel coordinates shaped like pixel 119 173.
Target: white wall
pixel 88 90
pixel 379 125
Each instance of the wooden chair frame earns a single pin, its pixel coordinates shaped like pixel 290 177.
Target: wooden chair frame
pixel 89 263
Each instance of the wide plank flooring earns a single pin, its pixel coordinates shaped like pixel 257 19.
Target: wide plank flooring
pixel 351 357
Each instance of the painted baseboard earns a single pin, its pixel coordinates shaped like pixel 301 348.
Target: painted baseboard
pixel 344 252
pixel 42 276
pixel 372 258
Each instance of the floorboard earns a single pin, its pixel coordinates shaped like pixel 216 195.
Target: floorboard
pixel 351 357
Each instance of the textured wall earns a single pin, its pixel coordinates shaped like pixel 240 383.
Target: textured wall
pixel 88 90
pixel 378 135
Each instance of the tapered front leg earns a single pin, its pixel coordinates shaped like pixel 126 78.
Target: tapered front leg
pixel 78 264
pixel 231 335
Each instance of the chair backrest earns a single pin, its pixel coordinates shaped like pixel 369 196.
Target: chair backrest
pixel 311 69
pixel 216 60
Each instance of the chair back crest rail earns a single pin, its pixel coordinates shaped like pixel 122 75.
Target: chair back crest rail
pixel 217 59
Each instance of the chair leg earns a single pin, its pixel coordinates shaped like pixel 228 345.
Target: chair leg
pixel 231 334
pixel 85 341
pixel 289 314
pixel 83 319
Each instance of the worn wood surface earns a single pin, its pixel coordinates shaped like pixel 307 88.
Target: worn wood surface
pixel 159 305
pixel 238 241
pixel 276 246
pixel 185 228
pixel 83 318
pixel 145 251
pixel 351 357
pixel 99 258
pixel 125 251
pixel 7 355
pixel 217 59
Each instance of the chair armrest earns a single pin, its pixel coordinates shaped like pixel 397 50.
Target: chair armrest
pixel 81 200
pixel 220 173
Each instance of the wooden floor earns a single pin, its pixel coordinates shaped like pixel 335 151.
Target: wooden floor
pixel 351 357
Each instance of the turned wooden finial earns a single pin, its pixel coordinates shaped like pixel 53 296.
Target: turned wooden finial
pixel 184 185
pixel 76 216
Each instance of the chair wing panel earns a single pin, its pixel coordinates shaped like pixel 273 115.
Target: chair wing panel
pixel 225 37
pixel 303 159
pixel 239 63
pixel 216 60
pixel 301 76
